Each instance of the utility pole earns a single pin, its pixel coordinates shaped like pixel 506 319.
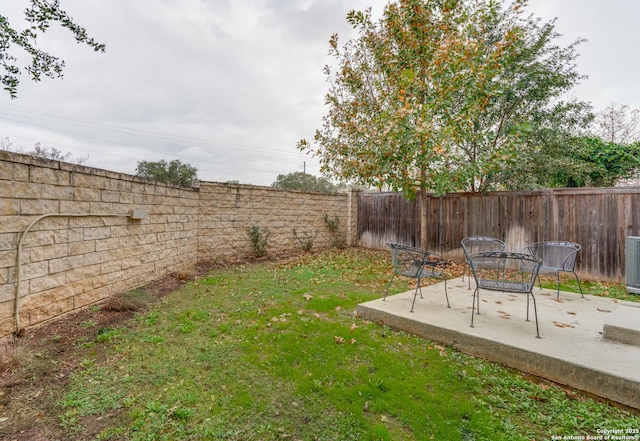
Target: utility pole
pixel 304 167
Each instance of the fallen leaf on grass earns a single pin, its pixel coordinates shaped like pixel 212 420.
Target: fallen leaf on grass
pixel 338 340
pixel 307 297
pixel 353 327
pixel 439 348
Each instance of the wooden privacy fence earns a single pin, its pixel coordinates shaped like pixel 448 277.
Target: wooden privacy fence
pixel 599 219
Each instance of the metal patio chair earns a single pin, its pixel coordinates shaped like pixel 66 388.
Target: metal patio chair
pixel 478 244
pixel 507 272
pixel 557 257
pixel 417 264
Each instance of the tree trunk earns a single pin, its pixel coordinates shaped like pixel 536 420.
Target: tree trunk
pixel 423 218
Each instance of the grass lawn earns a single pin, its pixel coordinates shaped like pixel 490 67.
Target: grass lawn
pixel 274 351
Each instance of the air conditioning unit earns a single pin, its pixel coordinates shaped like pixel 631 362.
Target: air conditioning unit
pixel 632 257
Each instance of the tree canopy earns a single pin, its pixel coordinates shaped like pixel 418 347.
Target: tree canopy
pixel 443 95
pixel 40 151
pixel 39 17
pixel 618 123
pixel 304 181
pixel 174 172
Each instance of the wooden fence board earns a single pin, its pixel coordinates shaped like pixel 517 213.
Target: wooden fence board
pixel 597 218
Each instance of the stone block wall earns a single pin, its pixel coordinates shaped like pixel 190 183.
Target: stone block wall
pixel 227 212
pixel 82 246
pixel 86 247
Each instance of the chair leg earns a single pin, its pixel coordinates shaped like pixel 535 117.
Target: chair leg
pixel 416 295
pixel 558 295
pixel 473 305
pixel 579 286
pixel 445 292
pixel 468 269
pixel 535 312
pixel 388 286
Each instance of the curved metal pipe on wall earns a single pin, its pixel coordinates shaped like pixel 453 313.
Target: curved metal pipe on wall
pixel 135 214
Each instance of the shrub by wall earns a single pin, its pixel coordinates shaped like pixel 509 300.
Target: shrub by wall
pixel 228 211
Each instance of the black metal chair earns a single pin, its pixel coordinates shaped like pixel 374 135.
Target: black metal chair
pixel 478 244
pixel 506 272
pixel 417 264
pixel 557 257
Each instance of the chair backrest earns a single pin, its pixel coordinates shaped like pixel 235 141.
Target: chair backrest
pixel 413 262
pixel 479 244
pixel 405 256
pixel 555 254
pixel 504 270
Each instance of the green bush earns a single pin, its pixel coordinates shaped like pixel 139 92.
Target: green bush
pixel 259 240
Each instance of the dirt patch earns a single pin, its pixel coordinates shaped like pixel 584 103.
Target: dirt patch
pixel 46 356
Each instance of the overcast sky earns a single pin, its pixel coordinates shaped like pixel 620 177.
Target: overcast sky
pixel 230 86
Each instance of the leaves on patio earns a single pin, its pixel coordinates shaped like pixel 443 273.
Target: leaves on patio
pixel 603 310
pixel 562 325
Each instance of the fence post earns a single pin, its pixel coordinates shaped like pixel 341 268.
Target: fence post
pixel 352 217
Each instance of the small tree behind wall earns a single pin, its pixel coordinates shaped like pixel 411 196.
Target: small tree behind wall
pixel 174 172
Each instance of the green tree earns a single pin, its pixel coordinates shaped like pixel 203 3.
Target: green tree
pixel 304 181
pixel 39 17
pixel 174 172
pixel 527 127
pixel 608 162
pixel 441 95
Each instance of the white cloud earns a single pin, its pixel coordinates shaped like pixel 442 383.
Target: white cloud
pixel 231 86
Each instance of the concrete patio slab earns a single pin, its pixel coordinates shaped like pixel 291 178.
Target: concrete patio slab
pixel 572 350
pixel 623 326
